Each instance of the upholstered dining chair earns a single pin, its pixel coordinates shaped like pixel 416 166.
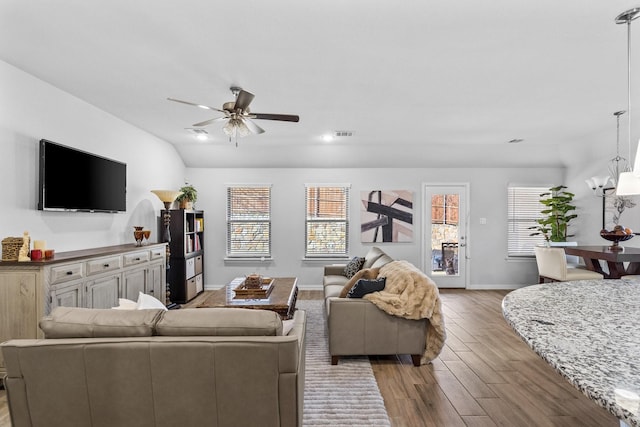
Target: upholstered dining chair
pixel 552 267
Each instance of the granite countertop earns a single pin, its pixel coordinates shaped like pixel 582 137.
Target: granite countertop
pixel 588 330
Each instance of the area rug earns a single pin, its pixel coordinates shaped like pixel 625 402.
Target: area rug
pixel 345 394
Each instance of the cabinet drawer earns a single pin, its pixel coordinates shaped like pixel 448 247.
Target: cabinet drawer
pixel 136 258
pixel 199 264
pixel 63 273
pixel 100 265
pixel 191 267
pixel 158 253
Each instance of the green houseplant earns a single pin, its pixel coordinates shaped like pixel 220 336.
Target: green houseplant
pixel 188 195
pixel 557 213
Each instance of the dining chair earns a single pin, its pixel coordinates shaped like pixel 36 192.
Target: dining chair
pixel 552 266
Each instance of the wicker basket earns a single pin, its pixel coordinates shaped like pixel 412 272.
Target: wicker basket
pixel 11 248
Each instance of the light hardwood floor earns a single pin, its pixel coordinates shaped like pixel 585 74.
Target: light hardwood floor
pixel 486 376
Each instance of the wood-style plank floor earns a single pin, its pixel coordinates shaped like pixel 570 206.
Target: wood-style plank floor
pixel 486 376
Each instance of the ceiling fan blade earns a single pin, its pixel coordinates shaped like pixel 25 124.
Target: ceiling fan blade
pixel 208 122
pixel 243 100
pixel 206 107
pixel 254 128
pixel 281 117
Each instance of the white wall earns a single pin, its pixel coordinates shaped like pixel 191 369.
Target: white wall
pixel 489 267
pixel 31 110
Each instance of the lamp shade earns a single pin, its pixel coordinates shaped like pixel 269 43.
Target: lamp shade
pixel 166 196
pixel 628 184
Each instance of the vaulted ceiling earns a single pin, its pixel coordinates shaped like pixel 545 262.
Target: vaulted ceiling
pixel 418 83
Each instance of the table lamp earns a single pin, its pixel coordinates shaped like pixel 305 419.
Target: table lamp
pixel 167 197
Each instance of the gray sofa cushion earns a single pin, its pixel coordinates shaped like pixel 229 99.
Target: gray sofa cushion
pixel 219 322
pixel 371 256
pixel 73 322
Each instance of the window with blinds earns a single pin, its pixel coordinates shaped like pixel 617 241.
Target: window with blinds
pixel 327 220
pixel 249 221
pixel 523 211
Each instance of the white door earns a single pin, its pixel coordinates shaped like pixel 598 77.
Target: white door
pixel 444 239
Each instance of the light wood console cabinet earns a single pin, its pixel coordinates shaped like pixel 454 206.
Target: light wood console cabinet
pixel 92 278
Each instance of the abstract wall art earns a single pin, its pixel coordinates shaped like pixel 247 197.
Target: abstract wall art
pixel 387 216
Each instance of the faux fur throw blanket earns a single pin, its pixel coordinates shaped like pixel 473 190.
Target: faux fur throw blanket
pixel 411 294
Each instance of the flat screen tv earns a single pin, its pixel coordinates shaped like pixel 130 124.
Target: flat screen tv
pixel 74 180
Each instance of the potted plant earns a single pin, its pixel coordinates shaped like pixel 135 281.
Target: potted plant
pixel 557 213
pixel 187 197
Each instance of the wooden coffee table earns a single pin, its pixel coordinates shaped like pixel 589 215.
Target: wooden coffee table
pixel 282 298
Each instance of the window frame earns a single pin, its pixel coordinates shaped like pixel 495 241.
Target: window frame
pixel 343 220
pixel 258 217
pixel 522 213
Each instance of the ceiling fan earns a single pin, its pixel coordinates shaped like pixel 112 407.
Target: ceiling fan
pixel 238 116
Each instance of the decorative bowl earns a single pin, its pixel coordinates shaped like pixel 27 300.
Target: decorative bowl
pixel 619 234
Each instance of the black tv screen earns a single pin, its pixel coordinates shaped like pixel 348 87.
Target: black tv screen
pixel 74 180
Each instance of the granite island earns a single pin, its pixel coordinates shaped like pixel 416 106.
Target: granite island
pixel 589 332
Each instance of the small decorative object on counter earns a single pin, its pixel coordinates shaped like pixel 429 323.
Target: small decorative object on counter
pixel 36 254
pixel 11 248
pixel 23 255
pixel 138 234
pixel 49 253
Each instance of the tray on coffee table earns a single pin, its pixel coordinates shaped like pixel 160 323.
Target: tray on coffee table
pixel 244 292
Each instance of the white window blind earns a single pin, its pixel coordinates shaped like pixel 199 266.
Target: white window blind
pixel 248 221
pixel 327 220
pixel 523 211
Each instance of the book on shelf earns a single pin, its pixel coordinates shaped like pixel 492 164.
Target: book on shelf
pixel 199 224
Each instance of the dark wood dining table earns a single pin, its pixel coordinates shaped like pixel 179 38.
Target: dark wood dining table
pixel 615 259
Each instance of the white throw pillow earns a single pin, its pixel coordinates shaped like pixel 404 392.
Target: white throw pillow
pixel 147 301
pixel 126 304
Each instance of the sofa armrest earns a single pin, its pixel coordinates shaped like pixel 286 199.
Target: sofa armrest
pixel 358 327
pixel 334 269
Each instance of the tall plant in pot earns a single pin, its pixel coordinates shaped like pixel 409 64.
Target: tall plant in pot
pixel 557 213
pixel 188 196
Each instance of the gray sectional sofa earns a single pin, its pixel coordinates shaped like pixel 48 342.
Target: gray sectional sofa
pixel 187 367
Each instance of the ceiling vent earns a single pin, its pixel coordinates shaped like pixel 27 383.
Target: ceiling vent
pixel 343 133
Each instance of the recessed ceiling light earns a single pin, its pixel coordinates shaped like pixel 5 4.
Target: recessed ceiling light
pixel 327 137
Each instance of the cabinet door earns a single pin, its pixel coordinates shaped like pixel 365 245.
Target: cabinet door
pixel 156 283
pixel 103 292
pixel 68 296
pixel 18 307
pixel 134 282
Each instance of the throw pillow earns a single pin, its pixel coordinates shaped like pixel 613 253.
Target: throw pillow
pixel 353 267
pixel 365 273
pixel 146 302
pixel 366 286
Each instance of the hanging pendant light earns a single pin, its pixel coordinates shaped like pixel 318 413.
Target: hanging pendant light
pixel 629 182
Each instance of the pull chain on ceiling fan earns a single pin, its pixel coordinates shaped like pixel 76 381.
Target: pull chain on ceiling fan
pixel 238 117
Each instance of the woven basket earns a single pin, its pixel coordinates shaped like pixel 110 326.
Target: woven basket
pixel 11 248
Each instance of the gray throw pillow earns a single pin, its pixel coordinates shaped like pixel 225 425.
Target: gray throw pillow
pixel 366 286
pixel 353 267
